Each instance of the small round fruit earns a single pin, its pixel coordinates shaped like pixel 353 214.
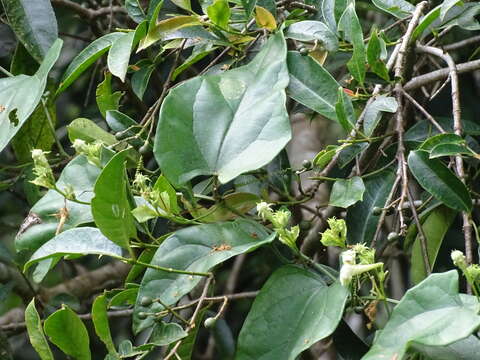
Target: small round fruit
pixel 303 51
pixel 144 149
pixel 210 322
pixel 305 225
pixel 121 135
pixel 377 211
pixel 393 236
pixel 146 301
pixel 307 164
pixel 142 315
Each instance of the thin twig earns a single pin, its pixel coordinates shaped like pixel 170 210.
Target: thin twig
pixel 424 112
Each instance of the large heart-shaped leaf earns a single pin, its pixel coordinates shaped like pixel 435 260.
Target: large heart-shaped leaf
pixel 346 192
pixel 361 221
pixel 195 249
pixel 110 206
pixel 78 241
pixel 294 309
pixel 20 95
pixel 41 224
pixel 226 124
pixel 431 313
pixel 439 181
pixel 34 23
pixel 311 85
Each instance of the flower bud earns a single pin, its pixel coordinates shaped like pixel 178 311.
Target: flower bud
pixel 264 210
pixel 41 169
pixel 459 259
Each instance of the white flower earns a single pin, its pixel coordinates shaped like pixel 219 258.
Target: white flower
pixel 348 257
pixel 458 259
pixel 264 210
pixel 348 271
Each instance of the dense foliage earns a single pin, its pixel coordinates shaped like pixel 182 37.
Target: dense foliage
pixel 256 179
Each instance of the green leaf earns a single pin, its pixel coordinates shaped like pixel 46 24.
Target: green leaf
pixel 373 112
pixel 311 85
pixel 435 228
pixel 166 333
pixel 440 139
pixel 125 297
pixel 251 122
pixel 293 310
pixel 80 241
pixel 398 8
pixel 361 222
pixel 426 21
pixel 431 313
pixel 35 332
pixel 248 6
pixel 219 13
pixel 65 329
pixel 332 10
pixel 183 4
pixel 34 23
pixel 119 55
pixel 323 157
pixel 135 10
pixel 162 185
pixel 100 322
pixel 140 79
pixel 309 30
pixel 40 225
pixel 107 99
pixel 350 25
pixel 375 48
pixel 110 206
pixel 264 19
pixel 86 130
pixel 20 95
pixel 194 249
pixel 465 349
pixel 439 181
pixel 198 53
pixel 447 5
pixel 345 112
pixel 87 57
pixel 450 150
pixel 185 350
pixel 346 192
pixel 231 206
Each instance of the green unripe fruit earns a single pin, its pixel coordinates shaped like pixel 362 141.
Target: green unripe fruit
pixel 305 225
pixel 377 211
pixel 121 135
pixel 210 322
pixel 146 301
pixel 393 236
pixel 307 164
pixel 142 315
pixel 303 51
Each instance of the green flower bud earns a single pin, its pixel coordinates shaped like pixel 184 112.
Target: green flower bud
pixel 289 237
pixel 280 218
pixel 336 235
pixel 41 169
pixel 459 260
pixel 210 322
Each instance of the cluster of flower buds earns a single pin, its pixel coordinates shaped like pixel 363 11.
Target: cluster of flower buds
pixel 41 169
pixel 471 272
pixel 336 235
pixel 351 268
pixel 91 151
pixel 279 220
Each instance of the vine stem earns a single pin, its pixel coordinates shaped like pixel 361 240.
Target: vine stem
pixel 161 268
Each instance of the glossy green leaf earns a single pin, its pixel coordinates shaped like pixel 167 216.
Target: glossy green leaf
pixel 346 192
pixel 88 131
pixel 361 222
pixel 344 110
pixel 110 206
pixel 166 333
pixel 431 313
pixel 107 99
pixel 100 322
pixel 311 85
pixel 140 79
pixel 440 139
pixel 435 228
pixel 373 112
pixel 293 310
pixel 125 297
pixel 426 21
pixel 323 157
pixel 422 130
pixel 20 95
pixel 198 53
pixel 331 11
pixel 34 23
pixel 79 241
pixel 35 332
pixel 65 329
pixel 375 48
pixel 87 57
pixel 450 150
pixel 197 249
pixel 352 30
pixel 219 13
pixel 447 5
pixel 135 11
pixel 183 4
pixel 40 225
pixel 309 30
pixel 398 8
pixel 119 55
pixel 439 181
pixel 251 123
